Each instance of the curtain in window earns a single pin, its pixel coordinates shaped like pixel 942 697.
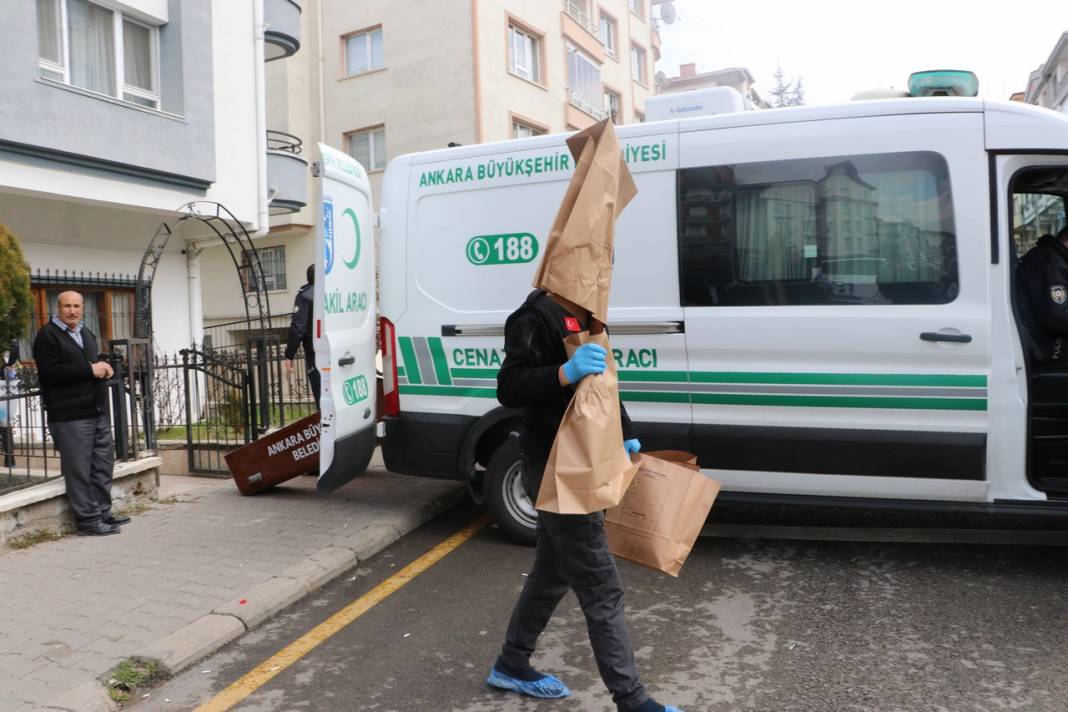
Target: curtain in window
pixel 121 315
pixel 380 149
pixel 909 226
pixel 360 148
pixel 356 54
pixel 376 50
pixel 137 52
pixel 583 77
pixel 774 225
pixel 48 31
pixel 92 47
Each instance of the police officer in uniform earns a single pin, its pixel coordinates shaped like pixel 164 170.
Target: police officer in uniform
pixel 1043 281
pixel 300 333
pixel 572 550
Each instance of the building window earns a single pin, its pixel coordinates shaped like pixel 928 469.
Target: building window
pixel 363 52
pixel 608 32
pixel 584 83
pixel 108 311
pixel 368 147
pixel 867 229
pixel 612 103
pixel 637 7
pixel 524 130
pixel 524 54
pixel 639 72
pixel 98 49
pixel 273 264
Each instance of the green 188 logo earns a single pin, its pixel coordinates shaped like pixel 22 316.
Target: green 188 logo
pixel 355 389
pixel 513 249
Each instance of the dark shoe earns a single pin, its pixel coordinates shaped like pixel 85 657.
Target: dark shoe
pixel 116 519
pixel 98 529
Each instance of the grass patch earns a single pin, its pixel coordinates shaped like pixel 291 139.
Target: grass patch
pixel 27 540
pixel 170 500
pixel 129 676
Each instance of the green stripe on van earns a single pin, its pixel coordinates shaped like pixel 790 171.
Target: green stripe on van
pixel 454 391
pixel 441 365
pixel 839 401
pixel 411 365
pixel 474 373
pixel 654 397
pixel 839 379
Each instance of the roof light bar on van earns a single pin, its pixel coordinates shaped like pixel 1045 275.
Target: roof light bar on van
pixel 944 82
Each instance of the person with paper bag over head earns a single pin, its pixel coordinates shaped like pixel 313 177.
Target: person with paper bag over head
pixel 549 360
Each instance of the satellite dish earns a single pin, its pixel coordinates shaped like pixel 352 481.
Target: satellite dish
pixel 667 13
pixel 660 78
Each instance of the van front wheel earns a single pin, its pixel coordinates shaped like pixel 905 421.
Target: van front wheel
pixel 506 499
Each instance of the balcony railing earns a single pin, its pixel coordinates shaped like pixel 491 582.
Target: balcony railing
pixel 578 12
pixel 591 107
pixel 281 141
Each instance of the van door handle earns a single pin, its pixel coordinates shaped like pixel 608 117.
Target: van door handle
pixel 346 360
pixel 939 336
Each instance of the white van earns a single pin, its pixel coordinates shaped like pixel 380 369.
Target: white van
pixel 816 301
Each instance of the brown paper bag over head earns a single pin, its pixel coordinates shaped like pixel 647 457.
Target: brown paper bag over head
pixel 588 468
pixel 577 262
pixel 662 512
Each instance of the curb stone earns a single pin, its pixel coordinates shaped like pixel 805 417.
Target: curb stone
pixel 228 622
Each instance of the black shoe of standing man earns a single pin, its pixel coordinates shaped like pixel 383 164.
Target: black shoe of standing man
pixel 116 520
pixel 98 529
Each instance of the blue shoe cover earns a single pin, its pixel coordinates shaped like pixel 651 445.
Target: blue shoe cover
pixel 547 688
pixel 669 708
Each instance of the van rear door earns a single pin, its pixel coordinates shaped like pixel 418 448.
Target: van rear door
pixel 344 319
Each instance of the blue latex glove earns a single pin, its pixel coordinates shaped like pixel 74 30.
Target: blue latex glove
pixel 587 359
pixel 632 446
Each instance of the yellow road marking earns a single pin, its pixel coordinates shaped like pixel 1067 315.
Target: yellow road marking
pixel 265 671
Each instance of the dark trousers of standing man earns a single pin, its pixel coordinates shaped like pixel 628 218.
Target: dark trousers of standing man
pixel 86 459
pixel 572 553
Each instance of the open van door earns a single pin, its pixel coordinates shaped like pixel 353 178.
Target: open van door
pixel 344 319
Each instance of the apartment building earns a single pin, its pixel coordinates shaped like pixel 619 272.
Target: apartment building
pixel 689 79
pixel 381 78
pixel 114 115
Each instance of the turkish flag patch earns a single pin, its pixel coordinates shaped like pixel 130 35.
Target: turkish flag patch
pixel 572 324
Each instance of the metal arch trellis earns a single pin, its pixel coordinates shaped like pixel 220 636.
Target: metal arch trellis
pixel 233 235
pixel 216 367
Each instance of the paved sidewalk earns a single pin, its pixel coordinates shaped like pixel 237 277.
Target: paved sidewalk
pixel 187 576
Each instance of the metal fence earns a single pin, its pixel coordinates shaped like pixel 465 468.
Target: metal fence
pixel 212 398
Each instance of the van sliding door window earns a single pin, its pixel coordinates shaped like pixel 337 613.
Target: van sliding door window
pixel 837 230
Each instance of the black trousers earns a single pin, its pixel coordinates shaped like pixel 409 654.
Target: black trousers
pixel 315 383
pixel 86 459
pixel 572 553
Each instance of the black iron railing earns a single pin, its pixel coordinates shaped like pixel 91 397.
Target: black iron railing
pixel 282 141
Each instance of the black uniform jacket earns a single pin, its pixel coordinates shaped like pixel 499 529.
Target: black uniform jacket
pixel 300 328
pixel 1043 279
pixel 68 386
pixel 534 351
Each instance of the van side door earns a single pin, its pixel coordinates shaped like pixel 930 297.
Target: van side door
pixel 835 284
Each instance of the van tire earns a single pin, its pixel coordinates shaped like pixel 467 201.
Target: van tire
pixel 505 498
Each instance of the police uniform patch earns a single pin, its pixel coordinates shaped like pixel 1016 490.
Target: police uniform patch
pixel 1058 293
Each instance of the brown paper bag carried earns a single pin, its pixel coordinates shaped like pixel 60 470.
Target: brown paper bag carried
pixel 577 261
pixel 588 469
pixel 662 512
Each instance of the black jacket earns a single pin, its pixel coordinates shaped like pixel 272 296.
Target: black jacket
pixel 534 351
pixel 68 386
pixel 300 328
pixel 1043 283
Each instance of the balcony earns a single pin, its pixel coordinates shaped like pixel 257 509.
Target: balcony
pixel 282 38
pixel 579 12
pixel 586 105
pixel 287 173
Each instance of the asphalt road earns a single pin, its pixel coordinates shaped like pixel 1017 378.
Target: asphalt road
pixel 750 625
